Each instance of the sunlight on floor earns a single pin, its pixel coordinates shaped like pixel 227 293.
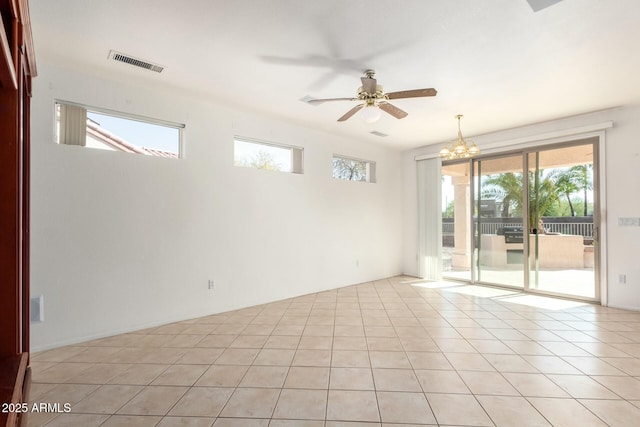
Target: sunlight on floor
pixel 543 302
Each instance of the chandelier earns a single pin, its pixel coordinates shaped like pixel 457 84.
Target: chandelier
pixel 459 149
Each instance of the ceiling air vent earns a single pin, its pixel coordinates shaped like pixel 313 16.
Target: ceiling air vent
pixel 127 59
pixel 376 133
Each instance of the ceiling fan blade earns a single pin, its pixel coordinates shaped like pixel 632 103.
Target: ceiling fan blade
pixel 369 84
pixel 393 110
pixel 351 112
pixel 415 93
pixel 320 101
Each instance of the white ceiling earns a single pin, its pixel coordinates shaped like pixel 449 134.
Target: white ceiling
pixel 497 62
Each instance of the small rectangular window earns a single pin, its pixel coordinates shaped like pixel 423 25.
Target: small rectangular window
pixel 351 169
pixel 267 156
pixel 106 130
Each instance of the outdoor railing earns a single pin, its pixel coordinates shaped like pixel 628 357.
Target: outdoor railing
pixel 584 229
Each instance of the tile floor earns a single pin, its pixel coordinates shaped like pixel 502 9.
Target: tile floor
pixel 394 352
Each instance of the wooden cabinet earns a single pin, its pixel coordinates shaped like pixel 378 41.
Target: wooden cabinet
pixel 17 68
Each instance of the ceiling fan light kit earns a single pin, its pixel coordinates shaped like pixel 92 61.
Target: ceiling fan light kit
pixel 459 149
pixel 370 114
pixel 374 99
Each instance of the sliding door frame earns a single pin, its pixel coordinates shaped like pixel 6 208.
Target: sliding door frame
pixel 599 200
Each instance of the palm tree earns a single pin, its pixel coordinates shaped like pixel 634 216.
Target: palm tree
pixel 508 189
pixel 565 181
pixel 505 188
pixel 584 181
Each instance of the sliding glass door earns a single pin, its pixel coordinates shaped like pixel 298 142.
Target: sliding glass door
pixel 563 235
pixel 524 220
pixel 498 190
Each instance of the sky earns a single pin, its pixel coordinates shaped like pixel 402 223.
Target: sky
pixel 142 134
pixel 245 150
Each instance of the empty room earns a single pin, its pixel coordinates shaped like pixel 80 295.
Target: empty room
pixel 287 213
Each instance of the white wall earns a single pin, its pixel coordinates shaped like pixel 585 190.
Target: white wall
pixel 122 241
pixel 622 190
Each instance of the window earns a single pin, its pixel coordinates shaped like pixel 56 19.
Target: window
pixel 105 130
pixel 267 156
pixel 353 169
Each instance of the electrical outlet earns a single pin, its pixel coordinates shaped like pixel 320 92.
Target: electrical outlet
pixel 211 284
pixel 622 278
pixel 37 308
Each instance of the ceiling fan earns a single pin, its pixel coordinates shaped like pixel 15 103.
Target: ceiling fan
pixel 373 95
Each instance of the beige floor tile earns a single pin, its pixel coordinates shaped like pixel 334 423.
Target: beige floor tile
pixel 530 348
pixel 67 393
pixel 186 422
pixel 307 377
pixel 563 348
pixel 351 379
pixel 535 385
pixel 389 359
pixel 183 341
pixel 131 421
pixel 457 409
pixel 248 341
pixel 107 399
pixel 99 373
pixel 153 400
pixel 222 376
pixel 352 406
pixel 237 356
pixel 437 381
pixel 61 372
pixel 592 365
pixel 274 357
pixel 251 403
pixel 284 355
pixel 626 387
pixel 241 422
pixel 216 341
pixel 315 343
pixel 551 365
pixel 180 375
pixel 265 376
pixel 565 412
pixel 508 411
pixel 199 356
pixel 380 331
pixel 301 404
pixel 491 383
pixel 469 362
pixel 59 354
pixel 428 360
pixel 78 420
pixel 490 346
pixel 139 374
pixel 349 343
pixel 452 345
pixel 396 380
pixel 384 344
pixel 350 359
pixel 509 363
pixel 96 354
pixel 630 366
pixel 202 402
pixel 318 331
pixel 411 344
pixel 255 329
pixel 312 358
pixel 292 330
pixel 354 424
pixel 285 342
pixel 398 407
